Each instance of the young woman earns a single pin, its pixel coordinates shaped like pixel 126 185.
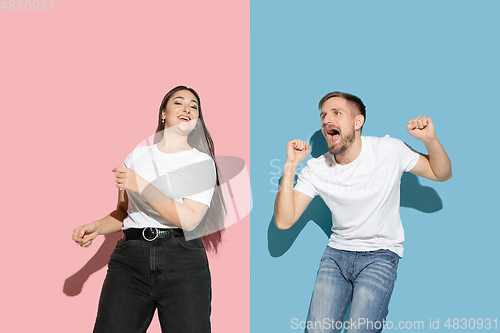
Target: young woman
pixel 169 197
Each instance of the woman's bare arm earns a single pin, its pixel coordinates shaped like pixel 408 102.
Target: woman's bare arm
pixel 111 223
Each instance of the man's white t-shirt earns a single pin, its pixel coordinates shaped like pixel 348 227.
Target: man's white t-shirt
pixel 188 174
pixel 363 195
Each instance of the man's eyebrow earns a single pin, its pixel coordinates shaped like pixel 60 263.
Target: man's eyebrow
pixel 335 109
pixel 193 100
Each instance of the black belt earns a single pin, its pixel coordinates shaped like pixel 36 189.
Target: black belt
pixel 150 234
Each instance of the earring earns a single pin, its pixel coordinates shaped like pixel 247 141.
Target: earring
pixel 163 121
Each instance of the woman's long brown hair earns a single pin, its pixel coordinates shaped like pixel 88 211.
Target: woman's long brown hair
pixel 200 139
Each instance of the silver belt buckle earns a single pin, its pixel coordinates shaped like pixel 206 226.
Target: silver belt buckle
pixel 152 239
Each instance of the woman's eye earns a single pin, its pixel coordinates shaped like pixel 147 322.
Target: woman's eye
pixel 177 103
pixel 194 107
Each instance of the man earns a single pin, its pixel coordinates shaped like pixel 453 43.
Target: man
pixel 359 181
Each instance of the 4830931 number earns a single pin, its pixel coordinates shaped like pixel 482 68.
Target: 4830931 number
pixel 471 323
pixel 27 5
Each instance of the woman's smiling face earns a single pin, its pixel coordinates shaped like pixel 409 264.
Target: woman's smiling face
pixel 182 109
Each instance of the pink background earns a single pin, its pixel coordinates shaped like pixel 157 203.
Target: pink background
pixel 80 87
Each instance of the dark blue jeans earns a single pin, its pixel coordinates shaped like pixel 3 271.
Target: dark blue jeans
pixel 170 275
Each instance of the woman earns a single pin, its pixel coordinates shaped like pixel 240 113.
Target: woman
pixel 168 198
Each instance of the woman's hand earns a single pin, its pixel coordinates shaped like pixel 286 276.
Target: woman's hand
pixel 127 179
pixel 85 234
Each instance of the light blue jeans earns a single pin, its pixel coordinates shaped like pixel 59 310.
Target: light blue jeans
pixel 364 280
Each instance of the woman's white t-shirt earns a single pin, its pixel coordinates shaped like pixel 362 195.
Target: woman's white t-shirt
pixel 188 174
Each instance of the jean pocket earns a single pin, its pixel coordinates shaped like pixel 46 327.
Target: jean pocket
pixel 121 244
pixel 194 244
pixel 386 255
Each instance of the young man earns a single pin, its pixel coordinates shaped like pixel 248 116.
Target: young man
pixel 359 181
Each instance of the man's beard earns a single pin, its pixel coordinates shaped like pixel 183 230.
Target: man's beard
pixel 345 142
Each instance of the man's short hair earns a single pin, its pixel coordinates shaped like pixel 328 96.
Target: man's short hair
pixel 354 100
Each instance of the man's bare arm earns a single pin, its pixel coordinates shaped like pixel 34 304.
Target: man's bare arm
pixel 436 165
pixel 289 204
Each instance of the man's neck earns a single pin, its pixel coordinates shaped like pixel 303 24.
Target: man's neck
pixel 351 153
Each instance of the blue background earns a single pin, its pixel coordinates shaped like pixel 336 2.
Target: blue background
pixel 403 59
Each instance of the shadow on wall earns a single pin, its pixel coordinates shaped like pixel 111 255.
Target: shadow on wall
pixel 413 195
pixel 74 284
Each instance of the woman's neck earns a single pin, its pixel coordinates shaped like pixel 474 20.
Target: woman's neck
pixel 173 143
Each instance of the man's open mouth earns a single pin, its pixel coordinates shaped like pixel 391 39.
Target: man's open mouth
pixel 332 135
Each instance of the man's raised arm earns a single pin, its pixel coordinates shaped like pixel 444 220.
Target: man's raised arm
pixel 289 204
pixel 436 165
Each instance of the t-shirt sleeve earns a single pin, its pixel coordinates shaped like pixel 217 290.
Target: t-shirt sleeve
pixel 128 160
pixel 132 157
pixel 407 156
pixel 200 181
pixel 305 183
